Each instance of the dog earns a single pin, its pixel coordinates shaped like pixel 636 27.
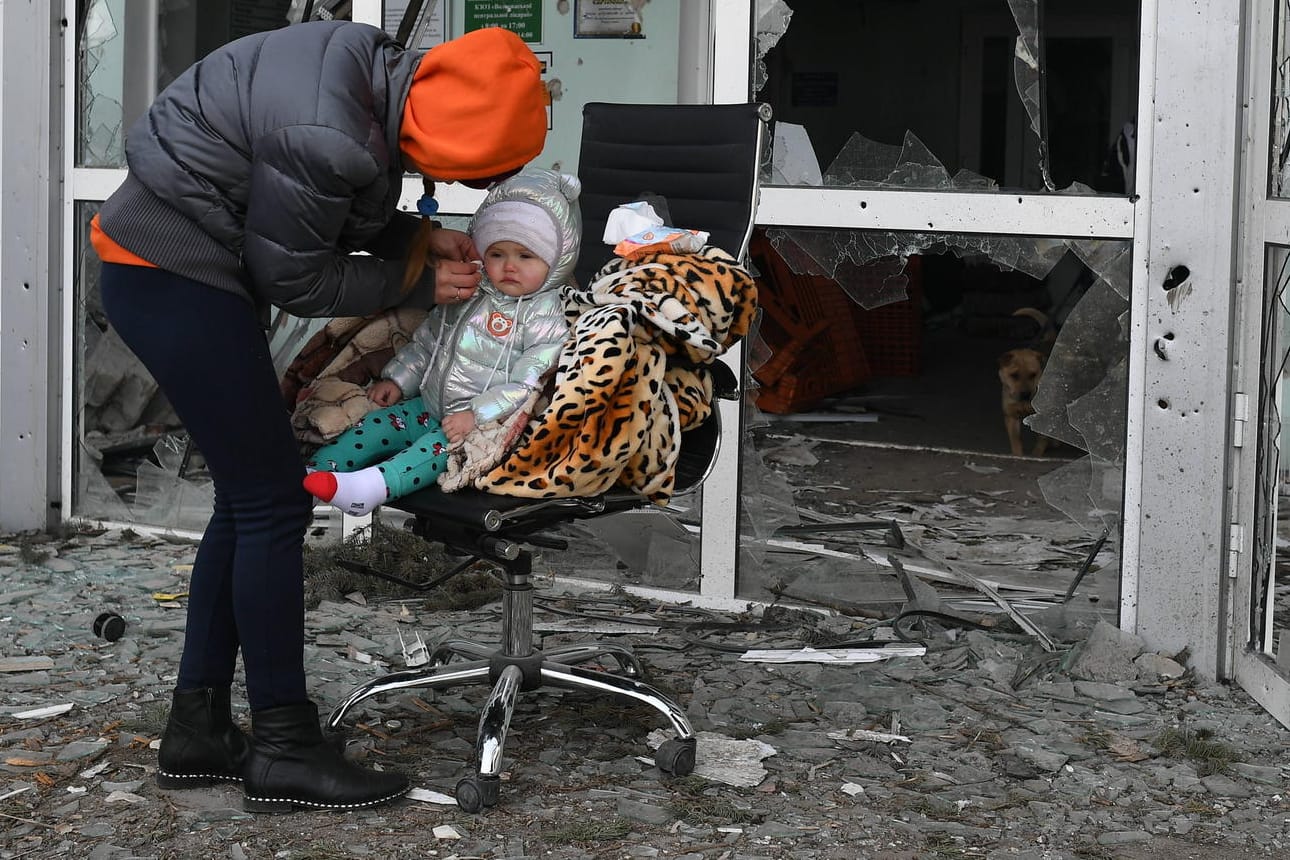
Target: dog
pixel 1019 373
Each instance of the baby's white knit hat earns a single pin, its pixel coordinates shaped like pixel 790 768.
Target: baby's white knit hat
pixel 517 221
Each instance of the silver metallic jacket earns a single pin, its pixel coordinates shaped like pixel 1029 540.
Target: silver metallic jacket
pixel 461 357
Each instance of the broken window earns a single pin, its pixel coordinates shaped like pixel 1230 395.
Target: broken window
pixel 882 387
pixel 1270 598
pixel 131 460
pixel 1279 170
pixel 877 432
pixel 129 51
pixel 971 95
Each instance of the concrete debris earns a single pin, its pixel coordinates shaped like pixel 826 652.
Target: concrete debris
pixel 725 759
pixel 44 712
pixel 426 796
pixel 25 664
pixel 976 742
pixel 415 653
pixel 1107 654
pixel 866 735
pixel 831 655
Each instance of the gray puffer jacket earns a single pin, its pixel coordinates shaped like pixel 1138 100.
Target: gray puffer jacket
pixel 489 353
pixel 265 164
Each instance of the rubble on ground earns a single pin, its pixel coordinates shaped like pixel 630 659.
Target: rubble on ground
pixel 986 744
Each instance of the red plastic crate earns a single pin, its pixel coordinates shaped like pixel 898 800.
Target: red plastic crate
pixel 892 334
pixel 808 323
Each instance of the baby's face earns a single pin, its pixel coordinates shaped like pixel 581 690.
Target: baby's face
pixel 514 269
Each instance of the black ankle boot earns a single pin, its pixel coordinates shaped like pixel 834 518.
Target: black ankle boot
pixel 201 745
pixel 292 765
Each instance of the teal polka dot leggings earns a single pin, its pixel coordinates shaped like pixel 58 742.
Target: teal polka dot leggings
pixel 409 446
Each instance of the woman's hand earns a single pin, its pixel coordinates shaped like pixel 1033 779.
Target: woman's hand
pixel 456 267
pixel 452 245
pixel 385 393
pixel 458 425
pixel 455 281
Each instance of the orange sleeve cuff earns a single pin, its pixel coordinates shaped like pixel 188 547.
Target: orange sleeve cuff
pixel 110 252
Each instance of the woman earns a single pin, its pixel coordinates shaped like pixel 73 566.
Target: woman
pixel 253 179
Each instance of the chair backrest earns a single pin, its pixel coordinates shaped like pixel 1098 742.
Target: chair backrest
pixel 702 159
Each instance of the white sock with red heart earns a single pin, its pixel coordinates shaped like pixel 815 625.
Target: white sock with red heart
pixel 354 493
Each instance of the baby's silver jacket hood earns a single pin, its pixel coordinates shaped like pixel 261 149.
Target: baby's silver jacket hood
pixel 557 194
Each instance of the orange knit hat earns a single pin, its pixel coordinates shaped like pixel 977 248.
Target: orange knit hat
pixel 476 108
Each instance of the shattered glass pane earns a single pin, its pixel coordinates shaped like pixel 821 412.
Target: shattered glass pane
pixel 287 334
pixel 792 161
pixel 128 50
pixel 1111 261
pixel 869 265
pixel 1279 170
pixel 1100 429
pixel 672 560
pixel 773 17
pixel 767 495
pixel 1087 363
pixel 99 139
pixel 165 497
pixel 95 497
pixel 1087 490
pixel 1270 600
pixel 1028 69
pixel 961 294
pixel 868 163
pixel 994 111
pixel 126 462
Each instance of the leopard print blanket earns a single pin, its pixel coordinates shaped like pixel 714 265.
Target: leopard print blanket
pixel 632 376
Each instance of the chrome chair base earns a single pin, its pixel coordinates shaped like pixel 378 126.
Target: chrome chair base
pixel 516 666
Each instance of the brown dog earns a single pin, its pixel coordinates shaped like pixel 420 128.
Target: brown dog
pixel 1019 372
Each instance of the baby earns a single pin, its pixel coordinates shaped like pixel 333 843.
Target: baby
pixel 472 361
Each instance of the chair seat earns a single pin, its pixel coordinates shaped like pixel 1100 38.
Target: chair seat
pixel 515 515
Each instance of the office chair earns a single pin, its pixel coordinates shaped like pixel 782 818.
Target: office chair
pixel 703 159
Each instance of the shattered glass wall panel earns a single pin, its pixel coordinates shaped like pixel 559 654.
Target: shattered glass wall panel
pixel 963 95
pixel 880 346
pixel 100 90
pixel 129 50
pixel 1279 170
pixel 131 461
pixel 1270 597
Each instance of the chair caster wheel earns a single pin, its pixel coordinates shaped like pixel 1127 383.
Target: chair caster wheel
pixel 476 792
pixel 676 756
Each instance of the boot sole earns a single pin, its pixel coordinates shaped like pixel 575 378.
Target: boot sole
pixel 280 805
pixel 193 780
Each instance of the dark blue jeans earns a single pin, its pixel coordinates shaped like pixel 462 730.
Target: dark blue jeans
pixel 208 352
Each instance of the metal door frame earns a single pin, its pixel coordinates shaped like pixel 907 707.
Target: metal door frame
pixel 1264 224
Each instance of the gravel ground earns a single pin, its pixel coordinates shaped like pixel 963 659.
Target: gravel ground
pixel 987 745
